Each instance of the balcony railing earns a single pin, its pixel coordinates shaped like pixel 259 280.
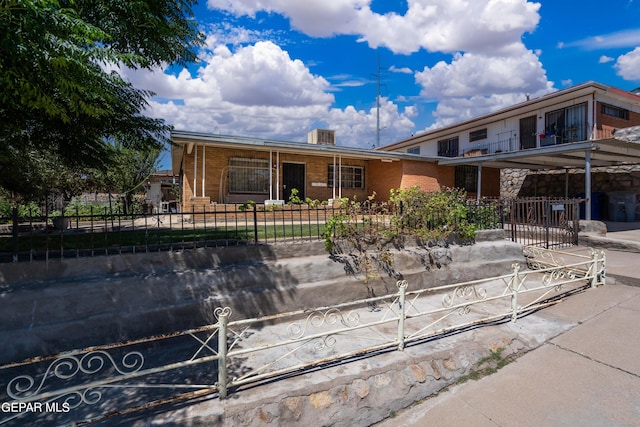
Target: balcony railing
pixel 577 133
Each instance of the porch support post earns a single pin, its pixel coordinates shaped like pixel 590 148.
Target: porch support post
pixel 203 167
pixel 270 175
pixel 587 185
pixel 195 171
pixel 334 177
pixel 566 183
pixel 479 190
pixel 277 175
pixel 340 177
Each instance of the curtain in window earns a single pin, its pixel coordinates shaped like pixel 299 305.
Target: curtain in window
pixel 575 123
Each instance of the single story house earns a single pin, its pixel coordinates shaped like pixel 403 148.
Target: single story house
pixel 233 169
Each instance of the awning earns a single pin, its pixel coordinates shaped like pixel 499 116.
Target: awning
pixel 604 153
pixel 622 149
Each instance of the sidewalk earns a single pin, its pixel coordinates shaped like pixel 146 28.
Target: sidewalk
pixel 586 376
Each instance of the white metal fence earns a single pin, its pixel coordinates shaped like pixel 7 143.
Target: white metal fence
pixel 223 357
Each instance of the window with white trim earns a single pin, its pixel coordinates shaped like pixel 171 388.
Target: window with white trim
pixel 248 176
pixel 351 177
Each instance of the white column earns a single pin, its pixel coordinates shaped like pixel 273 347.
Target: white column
pixel 587 185
pixel 277 175
pixel 334 177
pixel 203 174
pixel 195 170
pixel 340 177
pixel 479 190
pixel 270 175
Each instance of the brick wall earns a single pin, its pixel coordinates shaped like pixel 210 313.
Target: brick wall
pixel 217 159
pixel 380 177
pixel 606 124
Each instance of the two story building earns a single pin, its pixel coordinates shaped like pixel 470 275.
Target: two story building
pixel 571 130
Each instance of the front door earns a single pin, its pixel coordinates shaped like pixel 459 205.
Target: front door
pixel 528 133
pixel 293 177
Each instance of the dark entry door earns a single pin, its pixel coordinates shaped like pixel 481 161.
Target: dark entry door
pixel 528 132
pixel 293 177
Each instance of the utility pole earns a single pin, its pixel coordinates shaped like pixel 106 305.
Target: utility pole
pixel 378 76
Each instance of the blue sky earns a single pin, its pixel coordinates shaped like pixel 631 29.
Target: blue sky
pixel 278 68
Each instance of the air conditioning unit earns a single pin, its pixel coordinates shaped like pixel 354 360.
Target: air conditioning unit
pixel 322 137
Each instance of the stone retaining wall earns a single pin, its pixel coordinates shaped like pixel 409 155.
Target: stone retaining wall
pixel 516 183
pixel 75 303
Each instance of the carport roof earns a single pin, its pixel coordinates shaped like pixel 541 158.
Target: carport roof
pixel 622 149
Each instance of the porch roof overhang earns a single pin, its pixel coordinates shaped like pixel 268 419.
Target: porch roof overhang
pixel 183 140
pixel 603 153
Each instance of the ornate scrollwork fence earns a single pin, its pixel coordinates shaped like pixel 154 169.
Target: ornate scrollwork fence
pixel 230 354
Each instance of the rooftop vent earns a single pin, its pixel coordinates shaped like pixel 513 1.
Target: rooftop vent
pixel 322 137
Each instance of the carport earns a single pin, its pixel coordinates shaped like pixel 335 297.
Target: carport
pixel 622 149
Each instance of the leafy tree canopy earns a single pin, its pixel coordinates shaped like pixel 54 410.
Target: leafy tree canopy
pixel 58 103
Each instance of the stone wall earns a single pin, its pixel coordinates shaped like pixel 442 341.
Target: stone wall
pixel 74 303
pixel 523 183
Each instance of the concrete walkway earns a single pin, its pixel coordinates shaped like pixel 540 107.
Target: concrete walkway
pixel 586 376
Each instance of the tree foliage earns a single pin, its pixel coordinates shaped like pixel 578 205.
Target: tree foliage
pixel 58 101
pixel 129 173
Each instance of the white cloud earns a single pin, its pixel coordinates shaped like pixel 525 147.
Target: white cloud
pixel 625 38
pixel 249 86
pixel 628 65
pixel 357 128
pixel 402 70
pixel 434 25
pixel 316 18
pixel 490 65
pixel 473 74
pixel 453 110
pixel 474 84
pixel 604 59
pixel 259 90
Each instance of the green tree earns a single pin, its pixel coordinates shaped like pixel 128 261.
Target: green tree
pixel 57 101
pixel 129 172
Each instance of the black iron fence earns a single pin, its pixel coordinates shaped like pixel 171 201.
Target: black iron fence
pixel 543 222
pixel 103 232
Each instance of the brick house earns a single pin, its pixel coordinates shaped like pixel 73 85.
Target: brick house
pixel 566 134
pixel 232 169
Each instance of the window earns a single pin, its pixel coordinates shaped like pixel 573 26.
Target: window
pixel 466 178
pixel 351 177
pixel 448 147
pixel 249 176
pixel 414 150
pixel 612 111
pixel 477 135
pixel 567 124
